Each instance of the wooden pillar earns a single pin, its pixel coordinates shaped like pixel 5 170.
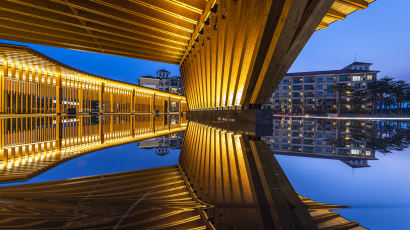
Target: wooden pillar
pixel 58 88
pixel 133 101
pixel 80 98
pixel 101 98
pixel 153 103
pixel 111 101
pixel 58 136
pixel 169 105
pixel 2 88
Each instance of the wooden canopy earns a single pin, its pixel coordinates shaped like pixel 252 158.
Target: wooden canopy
pixel 155 30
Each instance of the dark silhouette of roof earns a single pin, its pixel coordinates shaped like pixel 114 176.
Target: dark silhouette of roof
pixel 163 70
pixel 345 70
pixel 330 72
pixel 356 63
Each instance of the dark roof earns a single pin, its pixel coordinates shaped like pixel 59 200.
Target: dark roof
pixel 329 72
pixel 147 77
pixel 361 63
pixel 164 70
pixel 356 63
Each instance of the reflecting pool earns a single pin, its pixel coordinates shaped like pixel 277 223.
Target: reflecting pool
pixel 164 172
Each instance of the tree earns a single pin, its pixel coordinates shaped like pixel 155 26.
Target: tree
pixel 399 90
pixel 357 100
pixel 384 88
pixel 340 89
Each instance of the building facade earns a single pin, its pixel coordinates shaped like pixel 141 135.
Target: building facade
pixel 315 92
pixel 163 81
pixel 322 138
pixel 163 144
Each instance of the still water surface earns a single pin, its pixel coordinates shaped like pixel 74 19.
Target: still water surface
pixel 360 164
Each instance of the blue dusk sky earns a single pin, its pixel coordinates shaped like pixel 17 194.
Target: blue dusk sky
pixel 379 34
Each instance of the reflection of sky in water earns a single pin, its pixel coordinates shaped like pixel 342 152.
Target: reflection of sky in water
pixel 117 159
pixel 379 195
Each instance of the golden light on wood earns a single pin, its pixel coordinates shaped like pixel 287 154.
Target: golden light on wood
pixel 31 145
pixel 232 53
pixel 34 83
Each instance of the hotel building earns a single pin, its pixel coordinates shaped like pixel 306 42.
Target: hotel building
pixel 306 92
pixel 322 138
pixel 163 81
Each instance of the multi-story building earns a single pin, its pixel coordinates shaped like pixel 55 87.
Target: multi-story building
pixel 311 92
pixel 322 138
pixel 163 81
pixel 163 144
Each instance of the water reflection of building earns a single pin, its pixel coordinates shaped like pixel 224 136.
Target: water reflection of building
pixel 323 138
pixel 224 180
pixel 31 145
pixel 162 144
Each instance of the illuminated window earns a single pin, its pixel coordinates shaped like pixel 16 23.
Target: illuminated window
pixel 355 151
pixel 369 77
pixel 357 78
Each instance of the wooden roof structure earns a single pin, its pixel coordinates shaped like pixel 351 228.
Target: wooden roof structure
pixel 30 58
pixel 340 9
pixel 155 30
pixel 154 198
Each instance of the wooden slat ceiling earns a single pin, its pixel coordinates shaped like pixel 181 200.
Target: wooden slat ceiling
pixel 25 56
pixel 155 30
pixel 340 9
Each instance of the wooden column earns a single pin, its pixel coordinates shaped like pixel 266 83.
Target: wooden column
pixel 101 98
pixel 58 87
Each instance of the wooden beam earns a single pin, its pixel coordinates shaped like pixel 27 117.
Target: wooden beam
pixel 337 15
pixel 358 4
pixel 198 28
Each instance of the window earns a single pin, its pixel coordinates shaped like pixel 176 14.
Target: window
pixel 369 77
pixel 330 79
pixel 357 78
pixel 319 86
pixel 285 88
pixel 285 81
pixel 319 79
pixel 343 78
pixel 296 80
pixel 320 93
pixel 355 151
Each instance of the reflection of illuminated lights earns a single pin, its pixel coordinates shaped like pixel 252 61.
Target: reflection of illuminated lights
pixel 75 142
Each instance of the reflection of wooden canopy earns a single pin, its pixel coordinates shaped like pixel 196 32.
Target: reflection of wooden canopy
pixel 240 177
pixel 154 30
pixel 27 152
pixel 145 199
pixel 224 181
pixel 326 219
